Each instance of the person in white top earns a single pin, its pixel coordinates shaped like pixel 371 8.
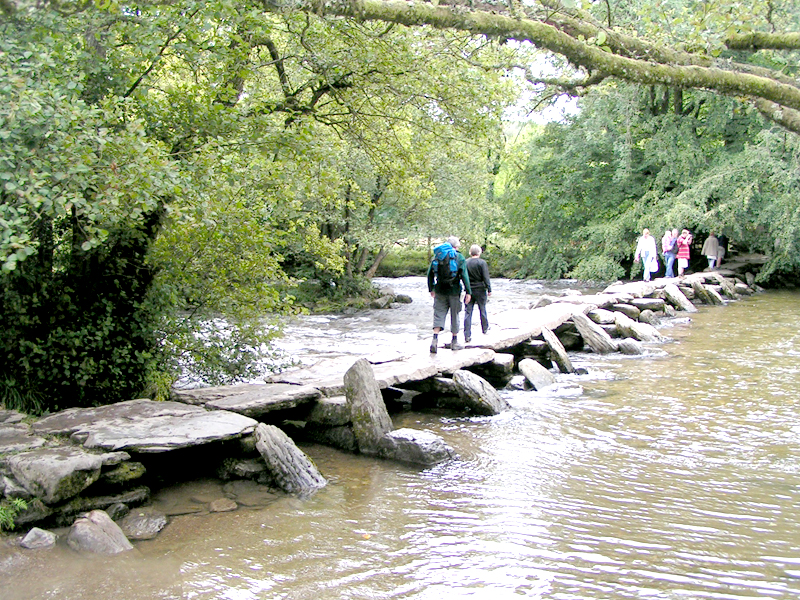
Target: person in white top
pixel 646 250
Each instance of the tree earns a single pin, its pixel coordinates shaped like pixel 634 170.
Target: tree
pixel 728 48
pixel 651 157
pixel 163 164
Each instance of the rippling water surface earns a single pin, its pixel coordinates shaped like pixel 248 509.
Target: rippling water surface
pixel 673 476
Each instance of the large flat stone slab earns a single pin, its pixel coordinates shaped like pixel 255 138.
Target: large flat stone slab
pixel 328 375
pixel 55 474
pixel 252 400
pixel 146 426
pixel 68 421
pixel 11 416
pixel 598 300
pixel 512 327
pixel 15 437
pixel 637 289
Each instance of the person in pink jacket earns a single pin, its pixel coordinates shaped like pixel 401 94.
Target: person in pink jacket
pixel 684 247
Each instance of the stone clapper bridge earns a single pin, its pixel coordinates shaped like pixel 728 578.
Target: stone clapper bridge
pixel 78 460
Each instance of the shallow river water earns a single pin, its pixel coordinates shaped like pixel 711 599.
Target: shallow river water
pixel 670 476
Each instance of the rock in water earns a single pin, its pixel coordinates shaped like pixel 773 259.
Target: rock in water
pixel 629 310
pixel 639 331
pixel 703 293
pixel 538 376
pixel 38 538
pixel 593 335
pixel 630 346
pixel 415 446
pixel 143 523
pixel 678 299
pixel 478 394
pixel 291 469
pixel 558 351
pixel 96 532
pixel 55 474
pixel 601 316
pixel 726 285
pixel 653 304
pixel 368 412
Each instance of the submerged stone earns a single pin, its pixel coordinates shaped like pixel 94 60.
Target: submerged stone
pixel 416 447
pixel 143 523
pixel 97 533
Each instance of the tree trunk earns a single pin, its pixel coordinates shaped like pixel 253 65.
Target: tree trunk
pixel 363 254
pixel 376 263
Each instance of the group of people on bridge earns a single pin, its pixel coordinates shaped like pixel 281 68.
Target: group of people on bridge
pixel 450 274
pixel 676 247
pixel 448 271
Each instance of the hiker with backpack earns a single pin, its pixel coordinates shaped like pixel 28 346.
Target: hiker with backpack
pixel 447 271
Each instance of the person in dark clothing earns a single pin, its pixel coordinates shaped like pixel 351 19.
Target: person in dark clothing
pixel 447 295
pixel 481 285
pixel 723 248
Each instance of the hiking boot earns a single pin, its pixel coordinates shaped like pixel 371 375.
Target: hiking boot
pixel 433 347
pixel 455 346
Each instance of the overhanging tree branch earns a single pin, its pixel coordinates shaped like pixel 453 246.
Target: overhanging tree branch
pixel 565 33
pixel 764 41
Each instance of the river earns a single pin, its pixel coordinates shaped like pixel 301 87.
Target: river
pixel 670 476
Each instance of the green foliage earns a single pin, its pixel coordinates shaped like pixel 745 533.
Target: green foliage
pixel 657 158
pixel 9 509
pixel 82 193
pixel 597 268
pixel 403 262
pixel 164 180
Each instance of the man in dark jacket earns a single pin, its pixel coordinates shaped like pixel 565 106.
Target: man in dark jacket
pixel 447 295
pixel 481 286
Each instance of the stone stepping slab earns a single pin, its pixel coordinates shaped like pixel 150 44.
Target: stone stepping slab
pixel 146 426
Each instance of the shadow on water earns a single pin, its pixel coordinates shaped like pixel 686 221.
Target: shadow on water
pixel 670 476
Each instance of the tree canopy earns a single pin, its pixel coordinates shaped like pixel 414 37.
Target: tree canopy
pixel 732 48
pixel 168 169
pixel 636 157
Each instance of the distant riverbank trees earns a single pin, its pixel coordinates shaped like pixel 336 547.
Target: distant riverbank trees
pixel 637 157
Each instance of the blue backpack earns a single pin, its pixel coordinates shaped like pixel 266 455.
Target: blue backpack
pixel 445 265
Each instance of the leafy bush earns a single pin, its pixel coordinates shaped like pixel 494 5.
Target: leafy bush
pixel 9 509
pixel 404 262
pixel 598 268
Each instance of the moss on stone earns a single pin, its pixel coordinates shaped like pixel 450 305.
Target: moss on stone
pixel 126 471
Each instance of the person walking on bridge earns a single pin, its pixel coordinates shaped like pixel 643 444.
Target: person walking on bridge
pixel 711 249
pixel 447 271
pixel 481 285
pixel 669 247
pixel 684 251
pixel 646 249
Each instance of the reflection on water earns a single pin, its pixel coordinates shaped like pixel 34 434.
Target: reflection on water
pixel 674 476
